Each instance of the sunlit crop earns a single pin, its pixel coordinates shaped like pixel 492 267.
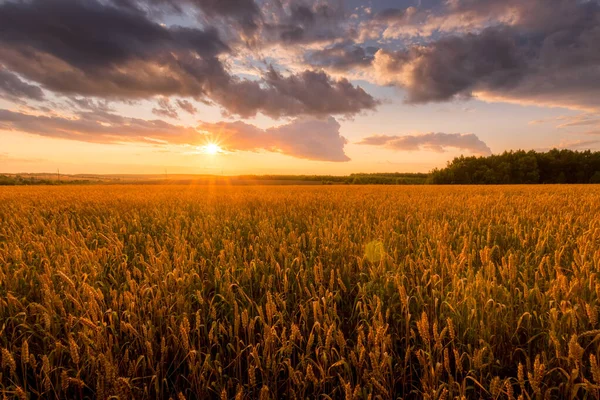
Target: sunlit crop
pixel 300 292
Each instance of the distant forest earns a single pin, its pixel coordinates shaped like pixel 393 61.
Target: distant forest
pixel 521 167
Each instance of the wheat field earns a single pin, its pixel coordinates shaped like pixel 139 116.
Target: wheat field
pixel 185 292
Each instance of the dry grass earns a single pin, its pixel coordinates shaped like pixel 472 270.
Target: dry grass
pixel 300 292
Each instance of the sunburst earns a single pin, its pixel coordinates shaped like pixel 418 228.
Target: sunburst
pixel 212 149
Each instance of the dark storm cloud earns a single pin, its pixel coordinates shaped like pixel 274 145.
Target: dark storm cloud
pixel 438 142
pixel 90 48
pixel 546 54
pixel 12 87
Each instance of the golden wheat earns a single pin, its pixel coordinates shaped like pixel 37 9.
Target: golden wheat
pixel 300 292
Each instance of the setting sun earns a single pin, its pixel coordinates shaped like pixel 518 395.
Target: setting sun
pixel 212 148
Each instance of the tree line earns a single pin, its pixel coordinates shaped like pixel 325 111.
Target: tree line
pixel 19 180
pixel 522 167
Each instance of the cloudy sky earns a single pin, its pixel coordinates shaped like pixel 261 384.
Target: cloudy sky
pixel 292 86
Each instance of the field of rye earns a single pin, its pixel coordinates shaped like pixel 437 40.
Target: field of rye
pixel 185 292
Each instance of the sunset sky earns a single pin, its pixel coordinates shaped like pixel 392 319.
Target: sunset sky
pixel 291 86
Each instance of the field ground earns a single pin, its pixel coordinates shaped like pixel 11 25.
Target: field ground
pixel 300 292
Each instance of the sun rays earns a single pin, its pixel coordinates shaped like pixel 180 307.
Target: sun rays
pixel 211 149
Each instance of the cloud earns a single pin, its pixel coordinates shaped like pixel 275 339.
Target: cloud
pixel 312 139
pixel 306 22
pixel 88 104
pixel 320 94
pixel 394 23
pixel 580 122
pixel 187 106
pixel 165 109
pixel 307 93
pixel 244 13
pixel 438 142
pixel 579 144
pixel 12 87
pixel 453 67
pixel 99 127
pixel 546 55
pixel 454 16
pixel 341 56
pixel 140 58
pixel 306 138
pixel 75 53
pixel 574 122
pixel 258 22
pixel 394 14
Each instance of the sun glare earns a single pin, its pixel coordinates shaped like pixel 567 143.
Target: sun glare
pixel 212 148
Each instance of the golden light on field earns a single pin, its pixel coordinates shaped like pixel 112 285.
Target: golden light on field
pixel 265 292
